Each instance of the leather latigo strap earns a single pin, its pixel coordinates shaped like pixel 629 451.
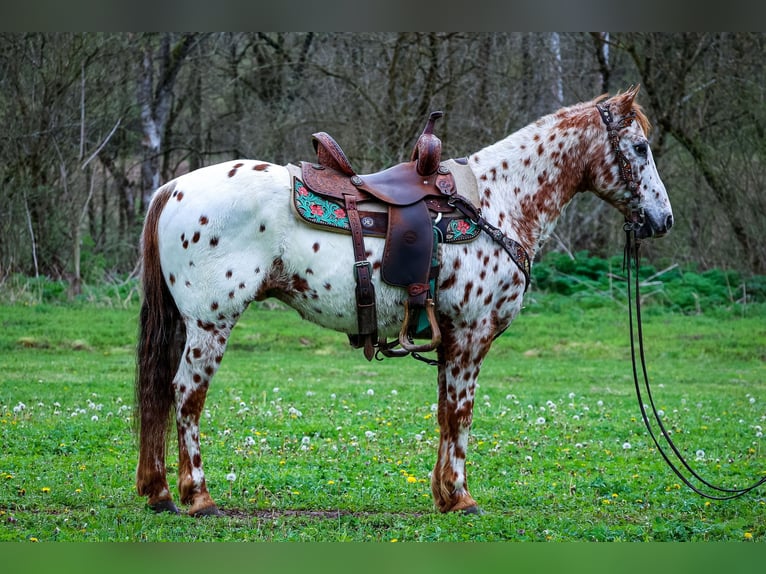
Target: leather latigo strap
pixel 367 319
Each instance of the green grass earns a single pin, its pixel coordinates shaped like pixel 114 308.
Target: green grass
pixel 328 447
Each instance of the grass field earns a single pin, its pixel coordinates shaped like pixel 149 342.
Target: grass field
pixel 304 440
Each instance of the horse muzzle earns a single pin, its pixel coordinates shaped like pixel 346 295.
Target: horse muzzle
pixel 651 227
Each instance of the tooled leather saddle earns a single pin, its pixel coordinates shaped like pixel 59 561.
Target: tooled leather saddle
pixel 414 205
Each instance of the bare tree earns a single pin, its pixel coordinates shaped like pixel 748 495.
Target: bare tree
pixel 155 98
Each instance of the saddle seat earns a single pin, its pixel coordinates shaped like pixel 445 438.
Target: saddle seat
pixel 408 191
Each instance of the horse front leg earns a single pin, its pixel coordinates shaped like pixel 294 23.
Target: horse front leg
pixel 202 356
pixel 460 359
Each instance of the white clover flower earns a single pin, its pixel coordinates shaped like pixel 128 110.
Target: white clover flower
pixel 94 418
pixel 369 434
pixel 540 421
pixel 626 446
pixel 292 411
pixel 576 417
pixel 249 441
pixel 370 392
pixel 528 458
pixel 752 400
pixel 310 393
pixel 600 403
pixel 231 477
pixel 275 390
pixel 19 407
pixel 571 395
pixel 394 392
pixel 660 413
pixel 418 437
pixel 700 454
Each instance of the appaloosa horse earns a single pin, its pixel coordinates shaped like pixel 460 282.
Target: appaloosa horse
pixel 225 235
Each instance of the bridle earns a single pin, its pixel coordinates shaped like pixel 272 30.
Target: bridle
pixel 633 222
pixel 635 216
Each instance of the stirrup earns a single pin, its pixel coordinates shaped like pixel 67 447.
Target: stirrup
pixel 436 336
pixel 389 349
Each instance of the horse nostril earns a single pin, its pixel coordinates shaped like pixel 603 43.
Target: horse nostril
pixel 668 222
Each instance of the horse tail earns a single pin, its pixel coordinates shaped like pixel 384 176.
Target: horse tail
pixel 161 338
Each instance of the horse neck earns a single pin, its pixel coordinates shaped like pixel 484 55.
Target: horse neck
pixel 527 179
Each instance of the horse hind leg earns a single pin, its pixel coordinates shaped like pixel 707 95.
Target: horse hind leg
pixel 202 356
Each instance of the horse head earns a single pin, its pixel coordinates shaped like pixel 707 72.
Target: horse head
pixel 628 178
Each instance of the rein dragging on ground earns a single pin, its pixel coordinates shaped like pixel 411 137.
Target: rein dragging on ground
pixel 632 245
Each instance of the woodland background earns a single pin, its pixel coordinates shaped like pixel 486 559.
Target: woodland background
pixel 93 123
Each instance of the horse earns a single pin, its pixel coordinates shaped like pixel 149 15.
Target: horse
pixel 222 236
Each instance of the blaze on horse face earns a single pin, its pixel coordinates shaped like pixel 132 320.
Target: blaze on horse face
pixel 633 165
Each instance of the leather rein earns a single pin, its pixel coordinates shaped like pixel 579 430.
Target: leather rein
pixel 633 223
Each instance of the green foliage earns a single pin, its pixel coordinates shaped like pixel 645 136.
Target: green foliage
pixel 593 280
pixel 114 291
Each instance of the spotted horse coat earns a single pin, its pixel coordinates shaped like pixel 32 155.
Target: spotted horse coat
pixel 222 236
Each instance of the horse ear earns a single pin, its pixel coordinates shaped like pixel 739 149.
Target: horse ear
pixel 624 101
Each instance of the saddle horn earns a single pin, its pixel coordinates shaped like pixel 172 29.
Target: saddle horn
pixel 428 148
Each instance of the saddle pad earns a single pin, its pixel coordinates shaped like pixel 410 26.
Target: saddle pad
pixel 330 215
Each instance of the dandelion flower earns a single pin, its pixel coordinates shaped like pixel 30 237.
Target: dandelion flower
pixel 411 479
pixel 45 489
pixel 748 535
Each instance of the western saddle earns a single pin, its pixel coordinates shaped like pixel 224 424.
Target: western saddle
pixel 415 194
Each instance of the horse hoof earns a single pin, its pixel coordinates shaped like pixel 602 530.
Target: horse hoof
pixel 473 510
pixel 164 506
pixel 207 511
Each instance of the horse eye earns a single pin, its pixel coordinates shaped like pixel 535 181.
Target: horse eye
pixel 641 149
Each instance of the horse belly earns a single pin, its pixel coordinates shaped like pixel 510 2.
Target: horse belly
pixel 321 284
